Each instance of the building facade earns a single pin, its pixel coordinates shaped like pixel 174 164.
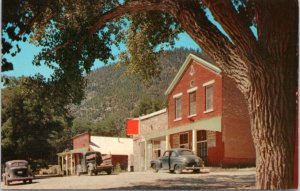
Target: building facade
pixel 206 113
pixel 146 148
pixel 119 150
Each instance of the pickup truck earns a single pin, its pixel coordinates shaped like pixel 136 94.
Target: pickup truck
pixel 93 163
pixel 178 160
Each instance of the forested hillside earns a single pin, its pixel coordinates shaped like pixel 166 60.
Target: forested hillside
pixel 112 95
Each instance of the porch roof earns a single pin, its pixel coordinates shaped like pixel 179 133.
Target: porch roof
pixel 211 124
pixel 79 150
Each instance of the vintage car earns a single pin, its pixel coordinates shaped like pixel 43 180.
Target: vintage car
pixel 17 170
pixel 178 160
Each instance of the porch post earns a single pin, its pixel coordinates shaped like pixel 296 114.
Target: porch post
pixel 62 164
pixel 146 154
pixel 194 141
pixel 167 142
pixel 67 166
pixel 71 164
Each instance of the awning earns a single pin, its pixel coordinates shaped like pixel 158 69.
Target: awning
pixel 79 150
pixel 211 124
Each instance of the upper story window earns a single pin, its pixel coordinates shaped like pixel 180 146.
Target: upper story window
pixel 209 91
pixel 177 108
pixel 209 97
pixel 192 99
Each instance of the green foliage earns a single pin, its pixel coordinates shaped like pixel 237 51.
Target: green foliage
pixel 146 40
pixel 35 122
pixel 117 168
pixel 61 28
pixel 148 105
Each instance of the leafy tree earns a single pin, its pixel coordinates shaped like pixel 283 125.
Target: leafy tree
pixel 34 123
pixel 264 66
pixel 81 125
pixel 107 127
pixel 148 105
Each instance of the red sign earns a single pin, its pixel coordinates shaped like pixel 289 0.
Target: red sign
pixel 132 127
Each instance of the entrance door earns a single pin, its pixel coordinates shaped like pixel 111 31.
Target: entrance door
pixel 202 145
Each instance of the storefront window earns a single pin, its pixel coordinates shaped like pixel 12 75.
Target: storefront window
pixel 184 140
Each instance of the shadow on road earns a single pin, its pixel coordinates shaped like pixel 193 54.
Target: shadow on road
pixel 209 182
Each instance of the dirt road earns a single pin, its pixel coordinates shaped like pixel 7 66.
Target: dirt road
pixel 216 179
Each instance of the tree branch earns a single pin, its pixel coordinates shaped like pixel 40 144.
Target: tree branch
pixel 127 8
pixel 224 12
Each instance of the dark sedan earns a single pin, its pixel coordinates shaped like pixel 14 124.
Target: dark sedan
pixel 178 160
pixel 17 170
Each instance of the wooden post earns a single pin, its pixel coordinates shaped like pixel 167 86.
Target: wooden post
pixel 194 141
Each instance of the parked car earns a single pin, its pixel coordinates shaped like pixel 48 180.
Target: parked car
pixel 17 170
pixel 178 160
pixel 91 162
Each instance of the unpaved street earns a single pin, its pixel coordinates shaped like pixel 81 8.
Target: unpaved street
pixel 216 179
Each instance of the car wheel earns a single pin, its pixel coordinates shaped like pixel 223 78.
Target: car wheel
pixel 24 181
pixel 196 171
pixel 155 168
pixel 108 171
pixel 178 169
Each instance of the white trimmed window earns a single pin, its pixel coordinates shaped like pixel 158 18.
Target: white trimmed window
pixel 177 108
pixel 184 140
pixel 209 97
pixel 192 99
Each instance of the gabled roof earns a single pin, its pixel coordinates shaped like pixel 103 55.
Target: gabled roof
pixel 185 65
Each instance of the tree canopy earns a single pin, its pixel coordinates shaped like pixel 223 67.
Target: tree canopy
pixel 35 121
pixel 74 34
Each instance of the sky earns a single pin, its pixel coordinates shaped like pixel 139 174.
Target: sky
pixel 23 66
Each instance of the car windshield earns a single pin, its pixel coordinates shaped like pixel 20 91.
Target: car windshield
pixel 18 164
pixel 186 152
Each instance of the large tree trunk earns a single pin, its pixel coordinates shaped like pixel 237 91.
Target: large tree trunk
pixel 272 107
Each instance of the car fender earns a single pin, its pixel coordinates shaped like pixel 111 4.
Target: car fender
pixel 157 162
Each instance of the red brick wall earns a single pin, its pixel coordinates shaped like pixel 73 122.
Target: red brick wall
pixel 239 147
pixel 190 139
pixel 216 154
pixel 81 140
pixel 201 76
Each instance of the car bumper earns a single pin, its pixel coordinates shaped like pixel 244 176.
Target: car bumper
pixel 192 168
pixel 19 178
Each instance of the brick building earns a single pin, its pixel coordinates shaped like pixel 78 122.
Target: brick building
pixel 206 113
